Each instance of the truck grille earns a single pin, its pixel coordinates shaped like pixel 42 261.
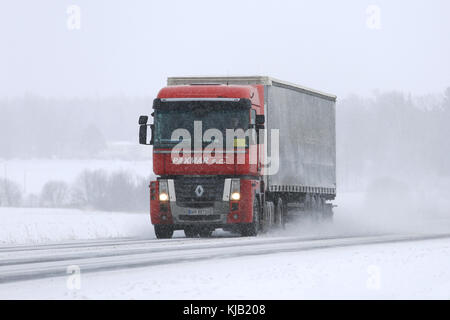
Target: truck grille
pixel 198 192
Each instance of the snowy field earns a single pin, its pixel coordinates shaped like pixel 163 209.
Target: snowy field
pixel 40 225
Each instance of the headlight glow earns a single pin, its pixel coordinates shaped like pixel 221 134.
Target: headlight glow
pixel 235 196
pixel 163 196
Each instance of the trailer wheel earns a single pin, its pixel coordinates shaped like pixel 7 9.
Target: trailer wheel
pixel 317 209
pixel 252 229
pixel 279 214
pixel 328 212
pixel 163 231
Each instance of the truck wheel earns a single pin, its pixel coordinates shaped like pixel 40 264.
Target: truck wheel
pixel 163 231
pixel 251 229
pixel 190 232
pixel 279 214
pixel 205 233
pixel 269 216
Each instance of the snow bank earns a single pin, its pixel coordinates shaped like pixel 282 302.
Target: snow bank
pixel 30 226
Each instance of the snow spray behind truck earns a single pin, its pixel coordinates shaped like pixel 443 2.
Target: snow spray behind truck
pixel 239 153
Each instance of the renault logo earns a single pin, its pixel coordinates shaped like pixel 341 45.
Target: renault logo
pixel 199 191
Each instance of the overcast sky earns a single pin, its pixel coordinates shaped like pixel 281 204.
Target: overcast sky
pixel 130 47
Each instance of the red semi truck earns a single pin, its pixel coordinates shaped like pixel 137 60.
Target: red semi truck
pixel 239 153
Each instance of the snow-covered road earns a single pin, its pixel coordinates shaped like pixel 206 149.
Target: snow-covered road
pixel 97 258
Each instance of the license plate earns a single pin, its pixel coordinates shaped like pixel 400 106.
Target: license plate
pixel 195 211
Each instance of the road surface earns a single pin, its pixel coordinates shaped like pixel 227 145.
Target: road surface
pixel 20 263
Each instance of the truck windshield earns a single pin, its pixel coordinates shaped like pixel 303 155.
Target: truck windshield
pixel 213 115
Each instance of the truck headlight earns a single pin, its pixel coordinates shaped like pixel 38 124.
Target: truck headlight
pixel 235 196
pixel 163 190
pixel 235 189
pixel 163 196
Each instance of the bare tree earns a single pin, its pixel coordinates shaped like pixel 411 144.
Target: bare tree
pixel 10 195
pixel 90 189
pixel 116 191
pixel 55 194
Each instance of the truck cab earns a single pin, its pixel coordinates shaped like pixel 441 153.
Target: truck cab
pixel 206 154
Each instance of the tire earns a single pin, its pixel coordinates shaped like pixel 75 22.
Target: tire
pixel 205 233
pixel 309 207
pixel 252 229
pixel 279 214
pixel 328 213
pixel 163 231
pixel 269 217
pixel 317 210
pixel 190 232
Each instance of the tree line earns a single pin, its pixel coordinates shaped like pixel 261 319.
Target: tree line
pixel 91 190
pixel 393 135
pixel 387 134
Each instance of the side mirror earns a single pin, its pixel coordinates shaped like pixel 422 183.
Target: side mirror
pixel 143 134
pixel 143 120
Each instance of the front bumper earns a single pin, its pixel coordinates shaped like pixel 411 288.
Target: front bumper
pixel 201 216
pixel 213 209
